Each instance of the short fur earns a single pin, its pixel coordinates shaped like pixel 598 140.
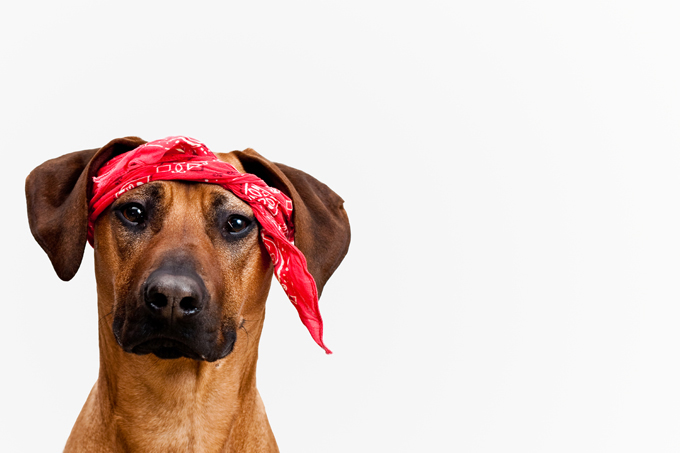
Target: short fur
pixel 206 400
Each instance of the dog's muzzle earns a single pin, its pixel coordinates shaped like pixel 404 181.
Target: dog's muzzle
pixel 172 316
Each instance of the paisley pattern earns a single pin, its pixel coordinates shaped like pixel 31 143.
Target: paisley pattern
pixel 187 159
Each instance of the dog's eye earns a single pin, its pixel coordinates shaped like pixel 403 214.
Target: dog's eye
pixel 133 213
pixel 236 224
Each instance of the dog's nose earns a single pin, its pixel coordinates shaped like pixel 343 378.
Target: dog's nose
pixel 173 296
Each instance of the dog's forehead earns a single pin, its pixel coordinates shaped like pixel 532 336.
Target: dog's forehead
pixel 208 195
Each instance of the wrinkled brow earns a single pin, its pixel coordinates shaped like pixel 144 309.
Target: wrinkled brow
pixel 152 190
pixel 223 199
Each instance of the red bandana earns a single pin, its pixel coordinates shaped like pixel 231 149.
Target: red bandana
pixel 186 159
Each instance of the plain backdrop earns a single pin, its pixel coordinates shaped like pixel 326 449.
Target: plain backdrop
pixel 511 173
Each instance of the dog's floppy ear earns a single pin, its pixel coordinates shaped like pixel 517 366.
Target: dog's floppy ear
pixel 322 230
pixel 57 200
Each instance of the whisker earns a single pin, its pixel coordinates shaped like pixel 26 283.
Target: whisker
pixel 242 326
pixel 104 316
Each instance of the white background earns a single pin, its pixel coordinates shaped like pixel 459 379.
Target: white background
pixel 511 172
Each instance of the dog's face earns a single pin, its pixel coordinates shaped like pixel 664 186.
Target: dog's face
pixel 181 269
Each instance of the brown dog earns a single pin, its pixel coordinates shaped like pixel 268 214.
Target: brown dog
pixel 182 304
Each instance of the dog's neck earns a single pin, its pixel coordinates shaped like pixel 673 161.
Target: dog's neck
pixel 143 403
pixel 183 404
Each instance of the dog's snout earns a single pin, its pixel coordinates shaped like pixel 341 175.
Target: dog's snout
pixel 174 296
pixel 175 315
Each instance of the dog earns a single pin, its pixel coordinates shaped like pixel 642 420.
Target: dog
pixel 181 297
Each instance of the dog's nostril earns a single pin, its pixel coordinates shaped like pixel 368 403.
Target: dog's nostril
pixel 189 305
pixel 157 301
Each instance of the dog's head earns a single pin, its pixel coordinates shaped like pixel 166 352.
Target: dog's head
pixel 180 266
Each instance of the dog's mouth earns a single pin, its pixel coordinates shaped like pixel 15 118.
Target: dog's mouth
pixel 166 348
pixel 143 336
pixel 170 348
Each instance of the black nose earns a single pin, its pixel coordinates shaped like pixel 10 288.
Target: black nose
pixel 174 296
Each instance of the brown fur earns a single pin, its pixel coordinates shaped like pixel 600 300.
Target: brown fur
pixel 142 403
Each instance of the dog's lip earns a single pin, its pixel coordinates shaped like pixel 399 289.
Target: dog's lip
pixel 165 347
pixel 175 344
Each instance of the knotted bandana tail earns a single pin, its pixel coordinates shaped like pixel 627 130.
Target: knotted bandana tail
pixel 186 159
